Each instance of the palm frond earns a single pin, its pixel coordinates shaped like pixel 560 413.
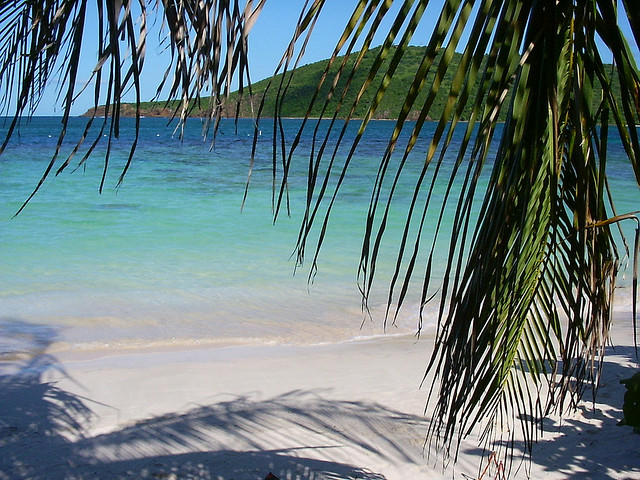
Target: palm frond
pixel 43 43
pixel 525 300
pixel 528 288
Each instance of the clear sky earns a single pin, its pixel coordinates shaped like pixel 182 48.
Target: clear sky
pixel 268 40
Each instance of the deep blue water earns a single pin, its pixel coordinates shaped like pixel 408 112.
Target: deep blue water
pixel 169 257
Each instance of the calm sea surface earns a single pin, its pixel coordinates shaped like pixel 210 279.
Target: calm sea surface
pixel 170 258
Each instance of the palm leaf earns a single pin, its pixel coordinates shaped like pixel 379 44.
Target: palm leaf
pixel 43 41
pixel 527 292
pixel 525 300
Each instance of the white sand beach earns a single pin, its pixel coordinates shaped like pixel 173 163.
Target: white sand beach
pixel 340 411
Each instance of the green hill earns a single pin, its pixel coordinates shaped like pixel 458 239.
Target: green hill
pixel 306 78
pixel 303 85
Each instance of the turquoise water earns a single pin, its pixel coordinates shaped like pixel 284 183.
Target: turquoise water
pixel 170 258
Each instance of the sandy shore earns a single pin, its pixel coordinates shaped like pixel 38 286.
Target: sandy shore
pixel 352 410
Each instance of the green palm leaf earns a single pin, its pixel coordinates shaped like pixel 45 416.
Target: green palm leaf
pixel 525 300
pixel 527 292
pixel 43 41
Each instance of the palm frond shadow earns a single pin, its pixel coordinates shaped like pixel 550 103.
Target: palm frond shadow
pixel 569 445
pixel 230 439
pixel 224 440
pixel 34 412
pixel 300 434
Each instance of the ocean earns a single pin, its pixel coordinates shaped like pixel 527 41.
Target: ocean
pixel 171 258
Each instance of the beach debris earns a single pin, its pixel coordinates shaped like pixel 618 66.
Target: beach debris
pixel 494 463
pixel 631 405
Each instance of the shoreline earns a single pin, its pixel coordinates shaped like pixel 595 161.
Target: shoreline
pixel 189 347
pixel 21 335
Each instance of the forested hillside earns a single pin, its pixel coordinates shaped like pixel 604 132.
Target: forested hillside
pixel 302 86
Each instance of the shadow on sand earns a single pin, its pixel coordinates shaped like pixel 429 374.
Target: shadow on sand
pixel 43 436
pixel 569 447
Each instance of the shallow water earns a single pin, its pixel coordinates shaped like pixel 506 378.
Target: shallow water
pixel 169 257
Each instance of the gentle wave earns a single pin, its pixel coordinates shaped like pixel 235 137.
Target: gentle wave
pixel 169 258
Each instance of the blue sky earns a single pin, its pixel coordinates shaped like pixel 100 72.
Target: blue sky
pixel 269 39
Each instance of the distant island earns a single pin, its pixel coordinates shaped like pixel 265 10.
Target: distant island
pixel 303 86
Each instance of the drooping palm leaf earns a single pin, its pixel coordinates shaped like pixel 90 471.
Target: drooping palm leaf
pixel 44 42
pixel 532 264
pixel 528 288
